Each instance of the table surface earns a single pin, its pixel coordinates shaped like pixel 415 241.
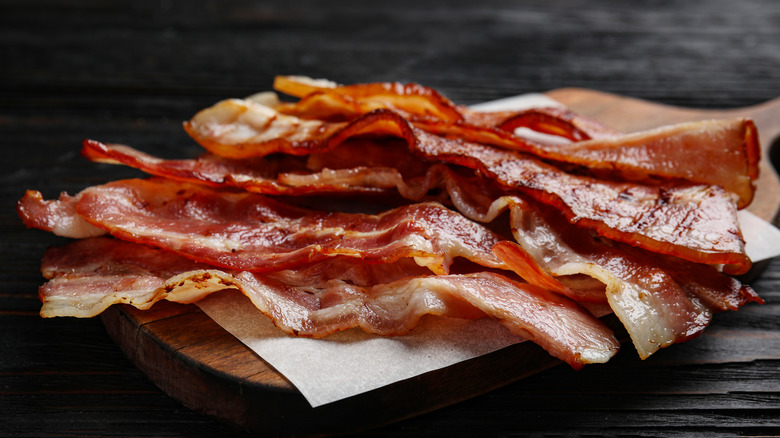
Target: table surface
pixel 130 72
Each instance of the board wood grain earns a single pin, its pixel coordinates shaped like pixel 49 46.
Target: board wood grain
pixel 197 362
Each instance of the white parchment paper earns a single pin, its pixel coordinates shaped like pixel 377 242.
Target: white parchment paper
pixel 353 362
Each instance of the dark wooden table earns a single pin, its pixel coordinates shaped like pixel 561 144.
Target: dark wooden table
pixel 132 71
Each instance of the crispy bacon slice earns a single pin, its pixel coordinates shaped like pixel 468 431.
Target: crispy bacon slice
pixel 244 231
pixel 89 275
pixel 283 176
pixel 412 99
pixel 424 106
pixel 717 152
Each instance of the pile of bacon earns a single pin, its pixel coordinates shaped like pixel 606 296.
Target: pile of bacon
pixel 372 205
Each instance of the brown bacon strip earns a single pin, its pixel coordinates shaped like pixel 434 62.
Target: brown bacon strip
pixel 717 152
pixel 412 99
pixel 89 275
pixel 285 176
pixel 720 152
pixel 244 231
pixel 257 175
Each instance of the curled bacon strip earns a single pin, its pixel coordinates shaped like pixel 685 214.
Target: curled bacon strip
pixel 326 100
pixel 412 99
pixel 244 231
pixel 696 223
pixel 89 275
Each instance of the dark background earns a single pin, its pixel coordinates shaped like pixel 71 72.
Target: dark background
pixel 130 72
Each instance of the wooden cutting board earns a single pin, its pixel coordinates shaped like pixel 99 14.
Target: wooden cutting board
pixel 197 362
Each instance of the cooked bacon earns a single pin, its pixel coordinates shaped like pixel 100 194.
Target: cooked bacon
pixel 655 313
pixel 237 128
pixel 641 230
pixel 697 223
pixel 244 231
pixel 279 176
pixel 326 100
pixel 413 99
pixel 57 216
pixel 721 152
pixel 659 301
pixel 89 275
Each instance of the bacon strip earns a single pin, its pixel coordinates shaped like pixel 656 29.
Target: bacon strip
pixel 84 277
pixel 413 99
pixel 244 231
pixel 277 176
pixel 258 175
pixel 717 152
pixel 57 216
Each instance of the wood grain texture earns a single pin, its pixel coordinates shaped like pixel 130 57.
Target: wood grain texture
pixel 130 72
